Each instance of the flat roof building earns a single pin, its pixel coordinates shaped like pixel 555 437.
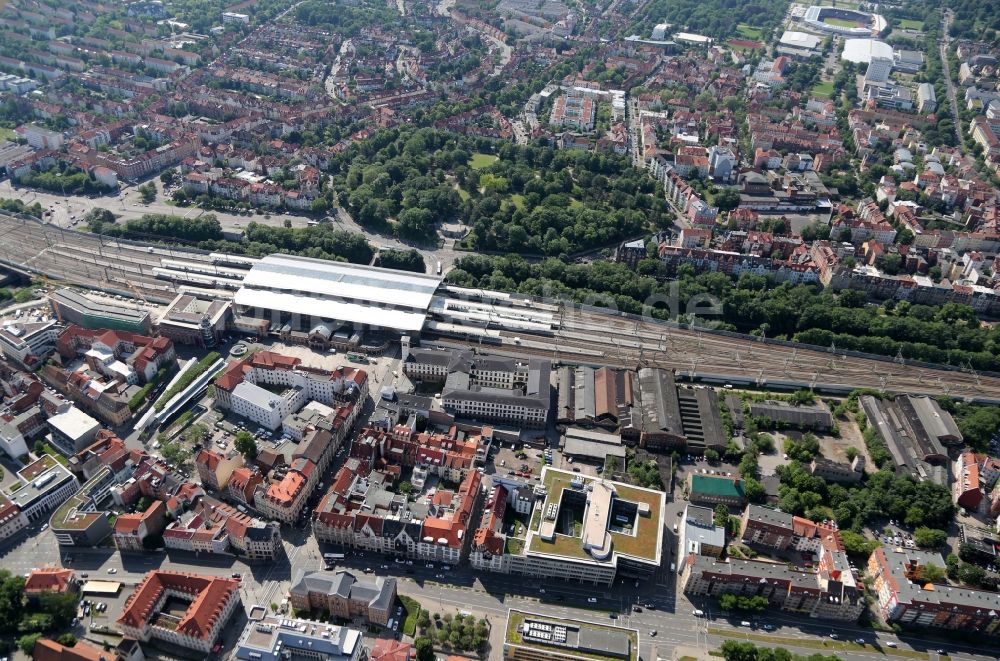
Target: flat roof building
pixel 73 430
pixel 75 308
pixel 861 51
pixel 699 534
pixel 278 638
pixel 582 529
pixel 802 40
pixel 303 291
pixel 195 320
pixel 534 637
pixel 45 483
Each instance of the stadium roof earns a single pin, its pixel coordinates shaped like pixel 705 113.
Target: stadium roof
pixel 863 50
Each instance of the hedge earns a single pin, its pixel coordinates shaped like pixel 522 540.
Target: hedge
pixel 187 379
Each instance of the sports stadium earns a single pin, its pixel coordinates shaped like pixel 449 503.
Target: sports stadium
pixel 845 22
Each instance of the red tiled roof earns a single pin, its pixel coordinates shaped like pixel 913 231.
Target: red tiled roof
pixel 48 579
pixel 210 595
pixel 50 650
pixel 387 649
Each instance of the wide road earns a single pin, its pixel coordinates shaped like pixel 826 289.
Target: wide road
pixel 943 46
pixel 487 595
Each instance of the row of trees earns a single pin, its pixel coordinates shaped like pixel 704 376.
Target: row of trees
pixel 321 241
pixel 734 650
pixel 67 181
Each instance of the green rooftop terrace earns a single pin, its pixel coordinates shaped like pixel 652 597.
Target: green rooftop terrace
pixel 644 541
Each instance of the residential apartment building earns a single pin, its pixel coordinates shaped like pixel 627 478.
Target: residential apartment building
pixel 830 593
pixel 449 455
pixel 12 519
pixel 360 511
pixel 974 478
pixel 902 597
pixel 216 468
pixel 127 356
pixel 132 529
pixel 769 528
pixel 267 387
pixel 282 500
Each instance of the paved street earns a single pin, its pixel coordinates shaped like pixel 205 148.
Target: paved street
pixel 946 72
pixel 486 595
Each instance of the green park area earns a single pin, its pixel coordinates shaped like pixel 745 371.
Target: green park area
pixel 823 90
pixel 480 161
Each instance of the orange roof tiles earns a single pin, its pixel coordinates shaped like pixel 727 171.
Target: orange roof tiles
pixel 387 649
pixel 284 492
pixel 48 579
pixel 50 650
pixel 209 598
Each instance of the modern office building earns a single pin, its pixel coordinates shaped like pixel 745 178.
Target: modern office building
pixel 75 308
pixel 533 637
pixel 582 529
pixel 278 638
pixel 44 485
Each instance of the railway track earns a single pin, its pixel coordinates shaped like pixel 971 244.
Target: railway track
pixel 583 336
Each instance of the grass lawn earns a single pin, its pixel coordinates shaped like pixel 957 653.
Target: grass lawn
pixel 480 161
pixel 518 200
pixel 823 90
pixel 749 31
pixel 462 193
pixel 910 24
pixel 7 134
pixel 840 22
